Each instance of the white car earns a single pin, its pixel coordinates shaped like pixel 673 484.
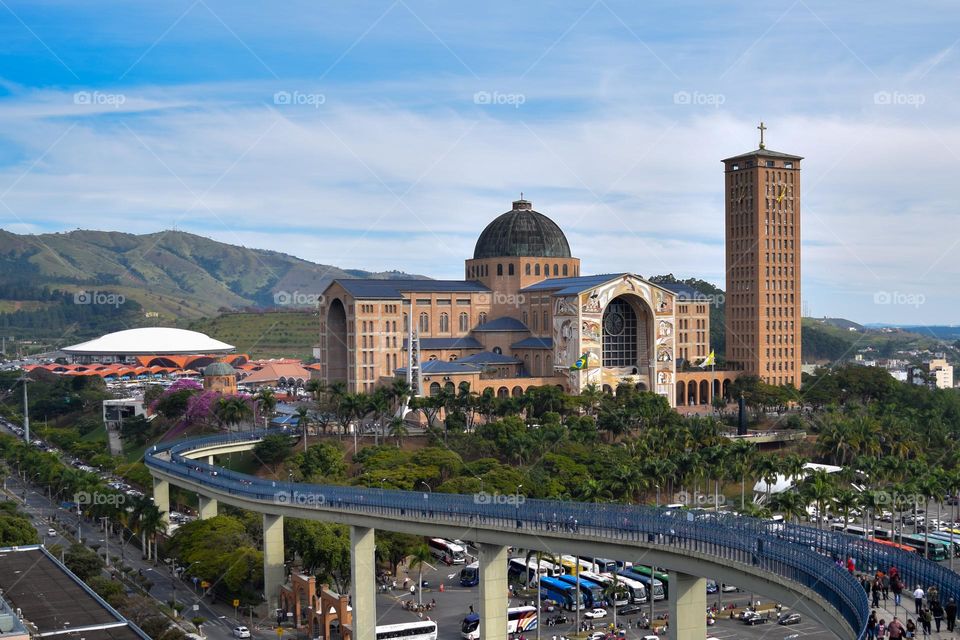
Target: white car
pixel 241 632
pixel 595 613
pixel 52 532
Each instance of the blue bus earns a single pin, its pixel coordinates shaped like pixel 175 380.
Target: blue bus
pixel 656 588
pixel 601 565
pixel 562 593
pixel 470 575
pixel 592 591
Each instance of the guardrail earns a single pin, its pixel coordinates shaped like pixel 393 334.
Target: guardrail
pixel 798 553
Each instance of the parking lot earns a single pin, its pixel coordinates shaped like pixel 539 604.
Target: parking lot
pixel 454 602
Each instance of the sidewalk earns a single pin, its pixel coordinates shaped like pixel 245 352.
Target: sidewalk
pixel 907 611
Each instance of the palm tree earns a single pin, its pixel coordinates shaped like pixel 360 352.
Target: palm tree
pixel 232 410
pixel 790 504
pixel 742 454
pixel 611 593
pixel 267 400
pixel 398 429
pixel 151 523
pixel 767 469
pixel 844 501
pixel 819 488
pixel 419 557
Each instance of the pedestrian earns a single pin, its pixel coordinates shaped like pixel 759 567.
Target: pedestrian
pixel 933 594
pixel 851 565
pixel 951 611
pixel 936 609
pixel 925 620
pixel 918 599
pixel 897 587
pixel 911 628
pixel 876 592
pixel 885 585
pixel 872 626
pixel 895 629
pixel 881 628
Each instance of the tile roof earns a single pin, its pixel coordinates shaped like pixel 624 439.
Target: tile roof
pixel 393 289
pixel 442 367
pixel 502 324
pixel 276 370
pixel 570 286
pixel 448 343
pixel 489 357
pixel 533 343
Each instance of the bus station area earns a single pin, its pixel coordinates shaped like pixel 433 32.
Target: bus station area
pixel 450 595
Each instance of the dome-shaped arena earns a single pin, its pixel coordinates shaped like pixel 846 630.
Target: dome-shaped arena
pixel 522 232
pixel 149 341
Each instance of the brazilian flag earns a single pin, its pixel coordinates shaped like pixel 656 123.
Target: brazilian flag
pixel 581 362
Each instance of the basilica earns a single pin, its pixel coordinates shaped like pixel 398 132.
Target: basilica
pixel 522 316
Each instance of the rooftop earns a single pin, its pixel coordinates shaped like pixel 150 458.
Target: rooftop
pixel 394 289
pixel 522 232
pixel 56 601
pixel 150 341
pixel 767 153
pixel 502 324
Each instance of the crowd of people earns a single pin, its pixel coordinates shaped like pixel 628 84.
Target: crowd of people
pixel 930 613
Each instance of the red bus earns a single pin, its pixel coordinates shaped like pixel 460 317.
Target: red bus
pixel 891 543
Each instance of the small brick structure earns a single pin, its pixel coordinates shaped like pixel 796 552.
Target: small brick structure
pixel 313 610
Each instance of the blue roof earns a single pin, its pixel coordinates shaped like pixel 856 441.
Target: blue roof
pixel 442 367
pixel 489 357
pixel 570 286
pixel 533 343
pixel 448 343
pixel 502 324
pixel 393 289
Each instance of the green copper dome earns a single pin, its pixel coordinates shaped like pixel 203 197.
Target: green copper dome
pixel 219 369
pixel 522 232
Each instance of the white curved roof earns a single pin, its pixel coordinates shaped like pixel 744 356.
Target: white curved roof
pixel 151 341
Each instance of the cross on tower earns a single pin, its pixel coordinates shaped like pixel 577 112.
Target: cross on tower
pixel 762 128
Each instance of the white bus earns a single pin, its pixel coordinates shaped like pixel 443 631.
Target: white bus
pixel 519 567
pixel 605 581
pixel 420 630
pixel 519 620
pixel 446 551
pixel 638 591
pixel 573 565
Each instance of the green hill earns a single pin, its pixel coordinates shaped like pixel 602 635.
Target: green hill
pixel 163 278
pixel 268 334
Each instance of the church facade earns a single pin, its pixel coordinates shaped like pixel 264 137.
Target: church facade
pixel 523 316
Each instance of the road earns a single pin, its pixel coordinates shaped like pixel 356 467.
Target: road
pixel 43 513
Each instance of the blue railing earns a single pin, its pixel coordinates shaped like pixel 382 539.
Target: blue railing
pixel 801 554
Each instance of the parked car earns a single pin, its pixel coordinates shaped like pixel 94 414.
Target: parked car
pixel 788 618
pixel 52 532
pixel 595 613
pixel 752 617
pixel 629 609
pixel 241 632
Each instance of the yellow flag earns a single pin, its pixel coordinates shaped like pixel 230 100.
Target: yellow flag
pixel 709 360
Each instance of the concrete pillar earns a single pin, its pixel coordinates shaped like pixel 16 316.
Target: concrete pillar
pixel 688 607
pixel 161 499
pixel 274 573
pixel 208 507
pixel 494 590
pixel 363 578
pixel 209 459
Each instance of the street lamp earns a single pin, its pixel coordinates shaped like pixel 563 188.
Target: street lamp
pixel 26 409
pixel 658 496
pixel 429 488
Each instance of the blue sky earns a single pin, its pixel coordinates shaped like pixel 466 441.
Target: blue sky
pixel 385 135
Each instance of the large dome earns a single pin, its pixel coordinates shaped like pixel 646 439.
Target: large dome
pixel 150 341
pixel 522 232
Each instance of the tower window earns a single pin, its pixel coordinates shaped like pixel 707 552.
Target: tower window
pixel 527 269
pixel 536 269
pixel 424 322
pixel 510 269
pixel 499 269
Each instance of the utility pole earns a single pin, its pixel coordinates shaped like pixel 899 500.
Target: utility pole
pixel 26 409
pixel 106 538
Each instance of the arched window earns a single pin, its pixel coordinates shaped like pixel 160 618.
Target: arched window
pixel 620 335
pixel 452 358
pixel 527 268
pixel 536 365
pixel 406 323
pixel 464 321
pixel 497 350
pixel 424 322
pixel 525 319
pixel 536 317
pixel 536 269
pixel 434 388
pixel 510 269
pixel 482 317
pixel 499 269
pixel 556 271
pixel 546 323
pixel 564 269
pixel 444 323
pixel 546 269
